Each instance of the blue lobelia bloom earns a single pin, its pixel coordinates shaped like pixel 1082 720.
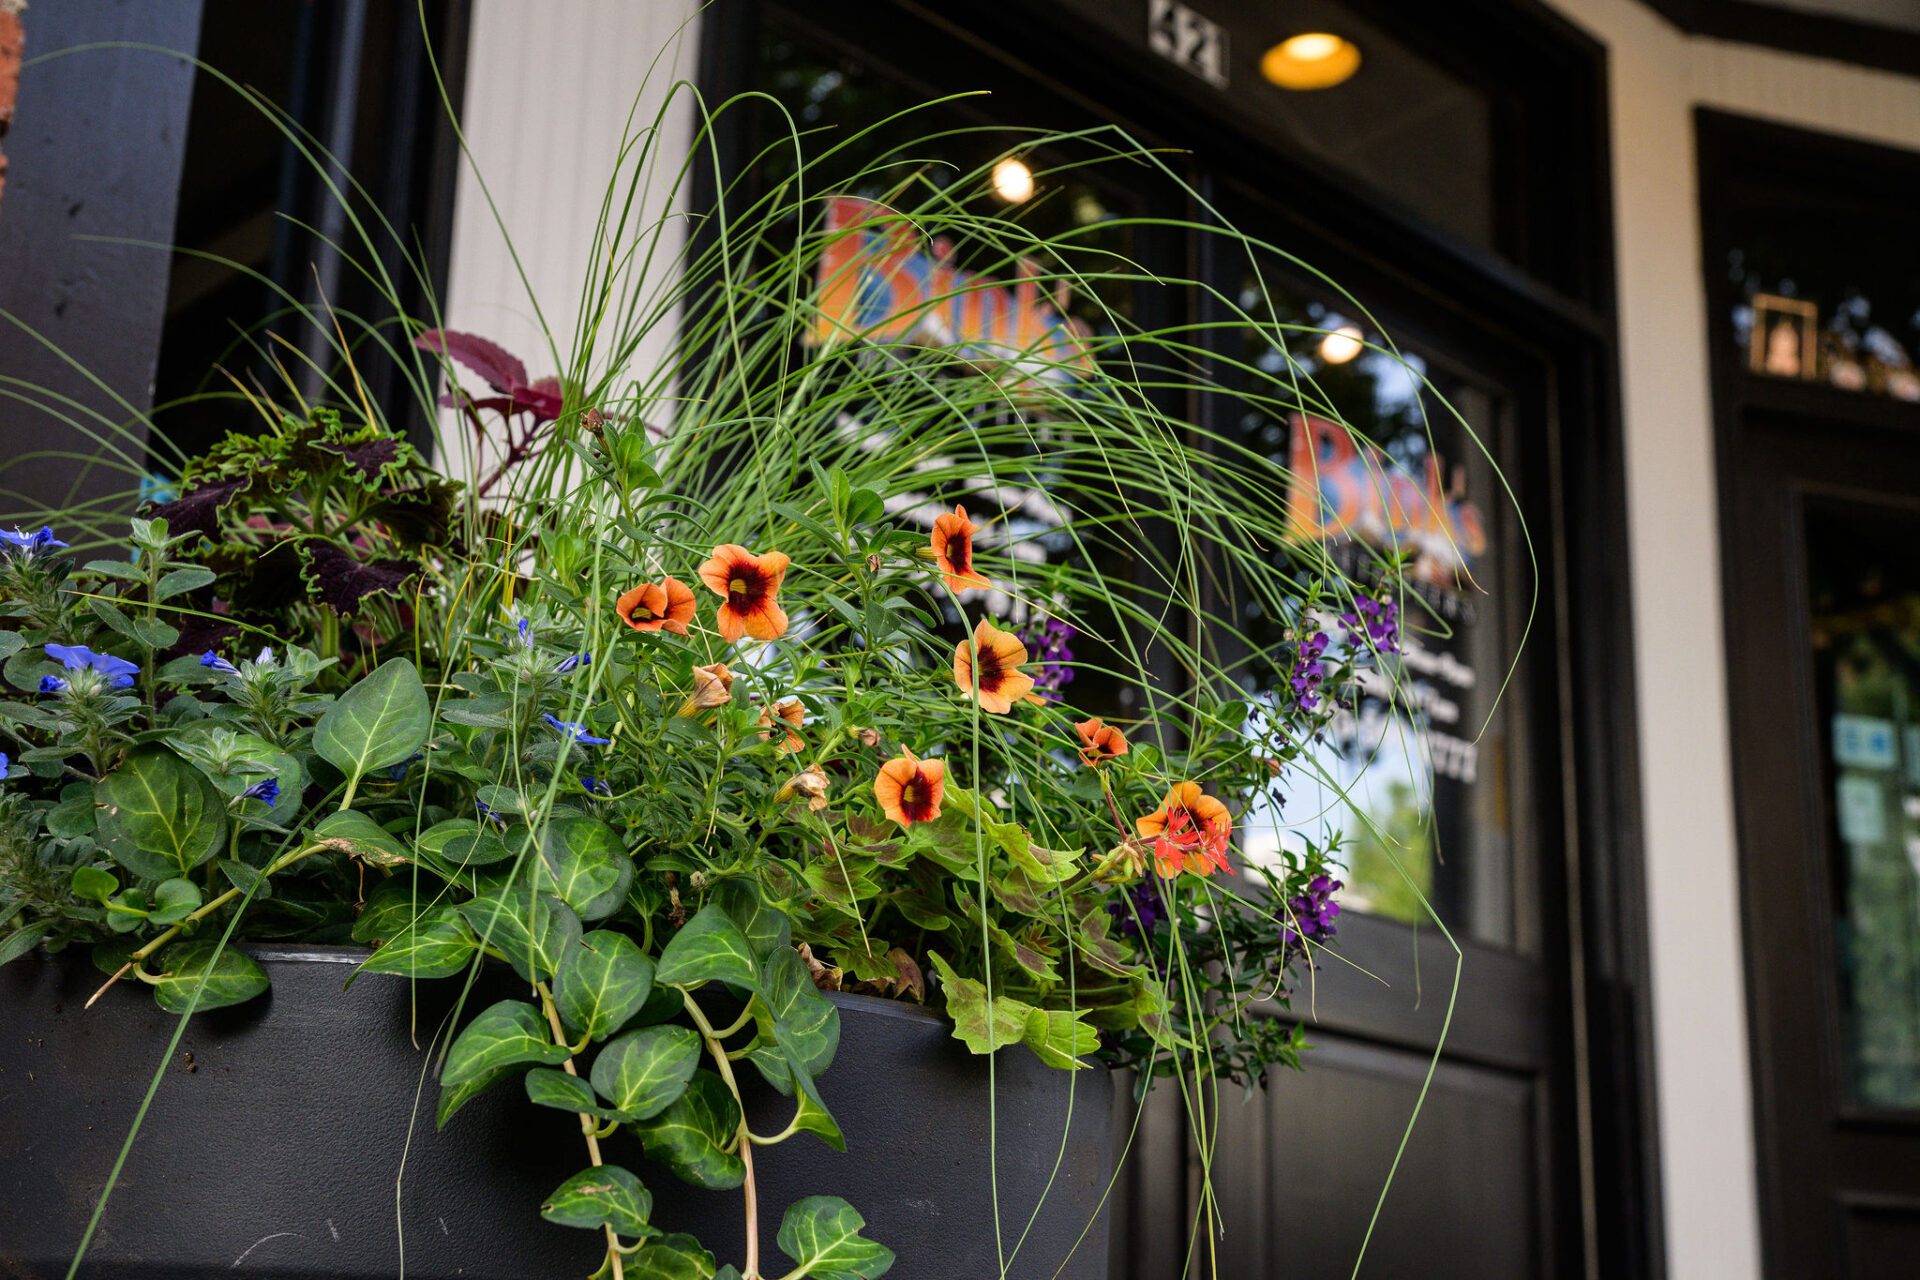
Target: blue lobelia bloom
pixel 52 684
pixel 77 657
pixel 525 629
pixel 218 663
pixel 569 664
pixel 575 730
pixel 5 764
pixel 267 789
pixel 486 811
pixel 29 544
pixel 588 783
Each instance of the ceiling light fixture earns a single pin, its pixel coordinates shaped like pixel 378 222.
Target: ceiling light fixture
pixel 1311 60
pixel 1342 344
pixel 1012 181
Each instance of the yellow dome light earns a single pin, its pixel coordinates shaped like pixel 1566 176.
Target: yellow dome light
pixel 1312 60
pixel 1012 181
pixel 1342 344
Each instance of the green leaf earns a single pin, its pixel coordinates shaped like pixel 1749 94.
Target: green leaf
pixel 549 1088
pixel 221 975
pixel 247 879
pixel 822 1236
pixel 23 940
pixel 674 1257
pixel 708 948
pixel 160 817
pixel 180 581
pixel 586 866
pixel 462 842
pixel 811 1112
pixel 11 642
pixel 641 1073
pixel 690 1136
pixel 502 1037
pixel 604 1196
pixel 603 981
pixel 174 901
pixel 765 927
pixel 1059 1037
pixel 380 721
pixel 798 1025
pixel 356 835
pixel 151 632
pixel 981 1029
pixel 435 944
pixel 532 930
pixel 91 884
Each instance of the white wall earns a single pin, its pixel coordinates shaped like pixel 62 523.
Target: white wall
pixel 1658 77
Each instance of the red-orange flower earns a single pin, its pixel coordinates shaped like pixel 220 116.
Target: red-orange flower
pixel 952 545
pixel 749 590
pixel 909 790
pixel 1002 682
pixel 791 711
pixel 1099 741
pixel 657 606
pixel 1190 831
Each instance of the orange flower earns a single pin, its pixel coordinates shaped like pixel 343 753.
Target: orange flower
pixel 749 588
pixel 1099 741
pixel 909 790
pixel 1002 683
pixel 793 713
pixel 657 606
pixel 1190 831
pixel 952 545
pixel 712 687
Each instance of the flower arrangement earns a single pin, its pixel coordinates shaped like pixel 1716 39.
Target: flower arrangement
pixel 690 725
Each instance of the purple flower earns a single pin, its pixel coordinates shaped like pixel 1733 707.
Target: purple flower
pixel 52 684
pixel 214 661
pixel 1148 909
pixel 1309 671
pixel 267 790
pixel 575 730
pixel 594 786
pixel 486 811
pixel 1373 622
pixel 1049 648
pixel 29 544
pixel 5 764
pixel 1310 915
pixel 77 657
pixel 569 664
pixel 525 629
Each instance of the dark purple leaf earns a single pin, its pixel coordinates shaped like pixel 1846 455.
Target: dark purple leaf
pixel 198 510
pixel 503 372
pixel 197 635
pixel 342 582
pixel 368 457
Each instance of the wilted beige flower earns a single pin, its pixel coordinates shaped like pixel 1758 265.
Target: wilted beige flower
pixel 791 711
pixel 712 687
pixel 810 782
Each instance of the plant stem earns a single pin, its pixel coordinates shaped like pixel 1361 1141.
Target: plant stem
pixel 588 1129
pixel 751 1192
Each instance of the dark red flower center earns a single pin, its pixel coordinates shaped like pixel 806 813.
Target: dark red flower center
pixel 993 671
pixel 960 551
pixel 916 798
pixel 746 585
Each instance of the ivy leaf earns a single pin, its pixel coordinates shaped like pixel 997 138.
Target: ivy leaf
pixel 434 944
pixel 161 818
pixel 604 979
pixel 501 1038
pixel 549 1088
pixel 644 1072
pixel 586 865
pixel 604 1196
pixel 353 833
pixel 765 927
pixel 1059 1037
pixel 799 1027
pixel 672 1257
pixel 822 1236
pixel 811 1112
pixel 379 722
pixel 709 948
pixel 981 1029
pixel 532 930
pixel 690 1136
pixel 221 975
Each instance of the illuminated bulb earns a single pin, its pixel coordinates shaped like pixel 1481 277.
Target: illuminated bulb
pixel 1012 181
pixel 1342 345
pixel 1312 60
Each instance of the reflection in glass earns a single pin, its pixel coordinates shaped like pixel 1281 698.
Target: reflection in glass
pixel 1865 582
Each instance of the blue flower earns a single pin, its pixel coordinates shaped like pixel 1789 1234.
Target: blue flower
pixel 267 789
pixel 30 544
pixel 588 783
pixel 218 663
pixel 52 684
pixel 486 811
pixel 570 664
pixel 6 763
pixel 399 771
pixel 525 629
pixel 77 657
pixel 575 730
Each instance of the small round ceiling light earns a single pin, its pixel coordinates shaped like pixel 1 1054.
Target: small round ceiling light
pixel 1342 344
pixel 1012 181
pixel 1311 60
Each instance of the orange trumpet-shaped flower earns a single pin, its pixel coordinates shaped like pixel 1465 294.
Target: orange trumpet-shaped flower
pixel 657 606
pixel 1002 683
pixel 712 687
pixel 952 545
pixel 794 713
pixel 749 591
pixel 1099 741
pixel 909 790
pixel 1190 831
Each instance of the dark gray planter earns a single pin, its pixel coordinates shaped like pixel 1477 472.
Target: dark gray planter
pixel 275 1141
